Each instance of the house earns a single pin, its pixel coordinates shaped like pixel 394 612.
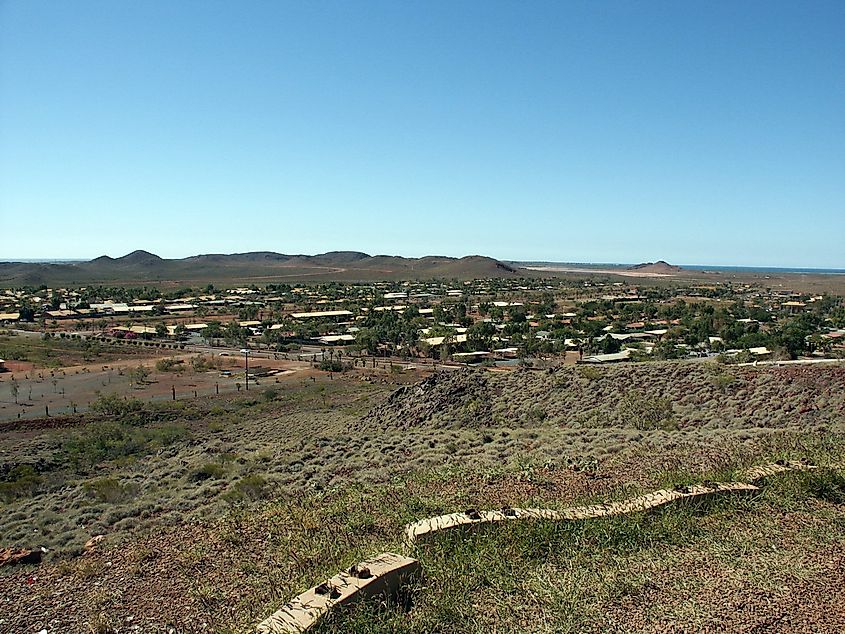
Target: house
pixel 624 355
pixel 322 314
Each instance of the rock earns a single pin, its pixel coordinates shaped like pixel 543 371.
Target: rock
pixel 91 544
pixel 11 557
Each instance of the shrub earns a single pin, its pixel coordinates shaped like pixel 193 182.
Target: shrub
pixel 114 405
pixel 251 487
pixel 589 373
pixel 21 481
pixel 169 365
pixel 645 412
pixel 113 441
pixel 139 374
pixel 723 381
pixel 203 364
pixel 208 471
pixel 332 365
pixel 110 490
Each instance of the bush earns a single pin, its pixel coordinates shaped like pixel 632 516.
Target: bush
pixel 110 490
pixel 139 374
pixel 21 481
pixel 589 373
pixel 723 381
pixel 208 471
pixel 270 394
pixel 251 487
pixel 114 405
pixel 114 441
pixel 169 365
pixel 332 366
pixel 645 412
pixel 202 364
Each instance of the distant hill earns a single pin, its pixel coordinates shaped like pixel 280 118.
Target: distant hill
pixel 254 267
pixel 655 267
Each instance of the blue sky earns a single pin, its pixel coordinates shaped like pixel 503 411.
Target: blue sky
pixel 709 133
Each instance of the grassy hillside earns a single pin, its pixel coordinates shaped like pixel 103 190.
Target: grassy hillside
pixel 218 511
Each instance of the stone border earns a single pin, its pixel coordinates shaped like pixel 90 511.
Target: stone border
pixel 427 527
pixel 381 575
pixel 385 574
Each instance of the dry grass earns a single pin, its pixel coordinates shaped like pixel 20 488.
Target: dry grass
pixel 260 498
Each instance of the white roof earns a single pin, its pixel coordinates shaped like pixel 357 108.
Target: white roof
pixel 323 313
pixel 436 341
pixel 602 358
pixel 382 308
pixel 336 338
pixel 138 330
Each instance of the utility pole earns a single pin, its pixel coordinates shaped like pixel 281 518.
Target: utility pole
pixel 246 366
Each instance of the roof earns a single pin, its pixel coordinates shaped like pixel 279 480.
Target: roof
pixel 322 313
pixel 336 338
pixel 138 330
pixel 436 341
pixel 381 308
pixel 9 316
pixel 605 358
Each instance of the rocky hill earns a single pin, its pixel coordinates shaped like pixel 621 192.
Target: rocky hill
pixel 147 268
pixel 688 397
pixel 660 266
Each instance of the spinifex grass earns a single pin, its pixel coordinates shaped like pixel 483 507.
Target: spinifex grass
pixel 542 575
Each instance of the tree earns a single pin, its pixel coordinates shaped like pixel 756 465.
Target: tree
pixel 26 312
pixel 610 345
pixel 367 339
pixel 212 332
pixel 235 334
pixel 139 374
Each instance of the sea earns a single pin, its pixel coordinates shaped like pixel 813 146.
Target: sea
pixel 44 261
pixel 775 270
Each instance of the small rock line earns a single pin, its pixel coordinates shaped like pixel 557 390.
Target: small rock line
pixel 387 573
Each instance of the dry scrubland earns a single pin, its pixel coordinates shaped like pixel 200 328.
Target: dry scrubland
pixel 217 511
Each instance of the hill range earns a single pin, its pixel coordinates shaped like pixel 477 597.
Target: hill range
pixel 143 267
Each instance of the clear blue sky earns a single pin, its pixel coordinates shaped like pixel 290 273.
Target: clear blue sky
pixel 709 132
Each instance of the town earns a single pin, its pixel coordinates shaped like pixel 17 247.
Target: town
pixel 492 322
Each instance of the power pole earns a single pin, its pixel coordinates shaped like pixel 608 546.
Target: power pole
pixel 246 366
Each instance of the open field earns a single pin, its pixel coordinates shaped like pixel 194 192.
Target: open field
pixel 24 351
pixel 164 377
pixel 234 503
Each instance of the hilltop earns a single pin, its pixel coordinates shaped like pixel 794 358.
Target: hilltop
pixel 143 267
pixel 661 266
pixel 221 509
